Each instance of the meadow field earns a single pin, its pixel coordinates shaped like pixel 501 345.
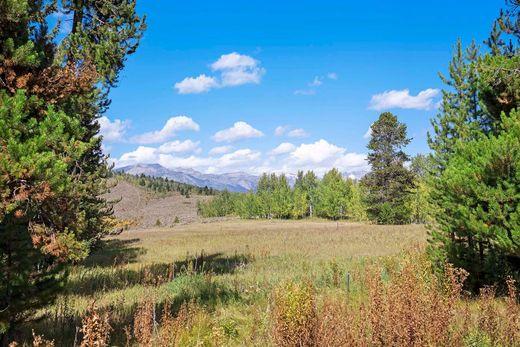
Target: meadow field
pixel 267 283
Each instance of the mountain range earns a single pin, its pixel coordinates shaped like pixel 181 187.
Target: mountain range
pixel 234 181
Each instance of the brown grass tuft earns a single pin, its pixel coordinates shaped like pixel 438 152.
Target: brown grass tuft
pixel 96 328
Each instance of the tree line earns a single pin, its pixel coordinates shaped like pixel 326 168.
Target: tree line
pixel 335 197
pixel 163 185
pixel 331 197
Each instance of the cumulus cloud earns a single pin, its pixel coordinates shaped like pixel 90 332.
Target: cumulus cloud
pixel 172 126
pixel 195 85
pixel 112 130
pixel 283 148
pixel 317 152
pixel 235 69
pixel 239 131
pixel 280 130
pixel 186 146
pixel 237 158
pixel 402 99
pixel 321 156
pixel 220 150
pixel 142 154
pixel 233 61
pixel 297 133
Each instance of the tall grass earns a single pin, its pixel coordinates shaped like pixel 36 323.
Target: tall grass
pixel 272 284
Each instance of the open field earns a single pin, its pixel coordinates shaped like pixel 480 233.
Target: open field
pixel 229 267
pixel 273 283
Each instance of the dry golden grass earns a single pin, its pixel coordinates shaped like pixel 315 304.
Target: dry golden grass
pixel 267 283
pixel 312 239
pixel 229 267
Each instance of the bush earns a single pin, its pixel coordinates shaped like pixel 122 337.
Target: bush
pixel 294 315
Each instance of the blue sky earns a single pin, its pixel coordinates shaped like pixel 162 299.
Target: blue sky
pixel 212 81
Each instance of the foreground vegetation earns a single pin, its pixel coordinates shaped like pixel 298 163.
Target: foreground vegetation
pixel 272 283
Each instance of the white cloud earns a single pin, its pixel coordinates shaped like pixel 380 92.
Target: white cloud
pixel 172 126
pixel 232 78
pixel 235 69
pixel 220 150
pixel 233 61
pixel 350 161
pixel 280 130
pixel 316 82
pixel 319 156
pixel 186 146
pixel 142 154
pixel 239 131
pixel 112 130
pixel 304 92
pixel 283 148
pixel 297 133
pixel 402 99
pixel 237 158
pixel 195 85
pixel 332 76
pixel 316 152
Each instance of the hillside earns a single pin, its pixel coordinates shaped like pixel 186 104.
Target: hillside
pixel 146 208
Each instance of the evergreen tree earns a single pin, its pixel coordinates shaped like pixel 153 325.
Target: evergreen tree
pixel 389 182
pixel 461 115
pixel 475 190
pixel 52 168
pixel 479 227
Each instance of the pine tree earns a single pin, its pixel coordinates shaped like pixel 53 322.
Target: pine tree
pixel 479 227
pixel 461 116
pixel 52 168
pixel 389 182
pixel 475 189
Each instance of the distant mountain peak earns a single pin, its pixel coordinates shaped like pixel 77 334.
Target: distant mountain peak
pixel 235 181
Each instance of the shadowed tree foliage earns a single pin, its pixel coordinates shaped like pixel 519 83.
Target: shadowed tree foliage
pixel 54 83
pixel 389 183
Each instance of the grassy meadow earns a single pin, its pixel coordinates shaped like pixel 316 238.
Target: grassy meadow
pixel 260 283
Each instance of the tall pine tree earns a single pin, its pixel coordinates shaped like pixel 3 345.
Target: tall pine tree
pixel 389 182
